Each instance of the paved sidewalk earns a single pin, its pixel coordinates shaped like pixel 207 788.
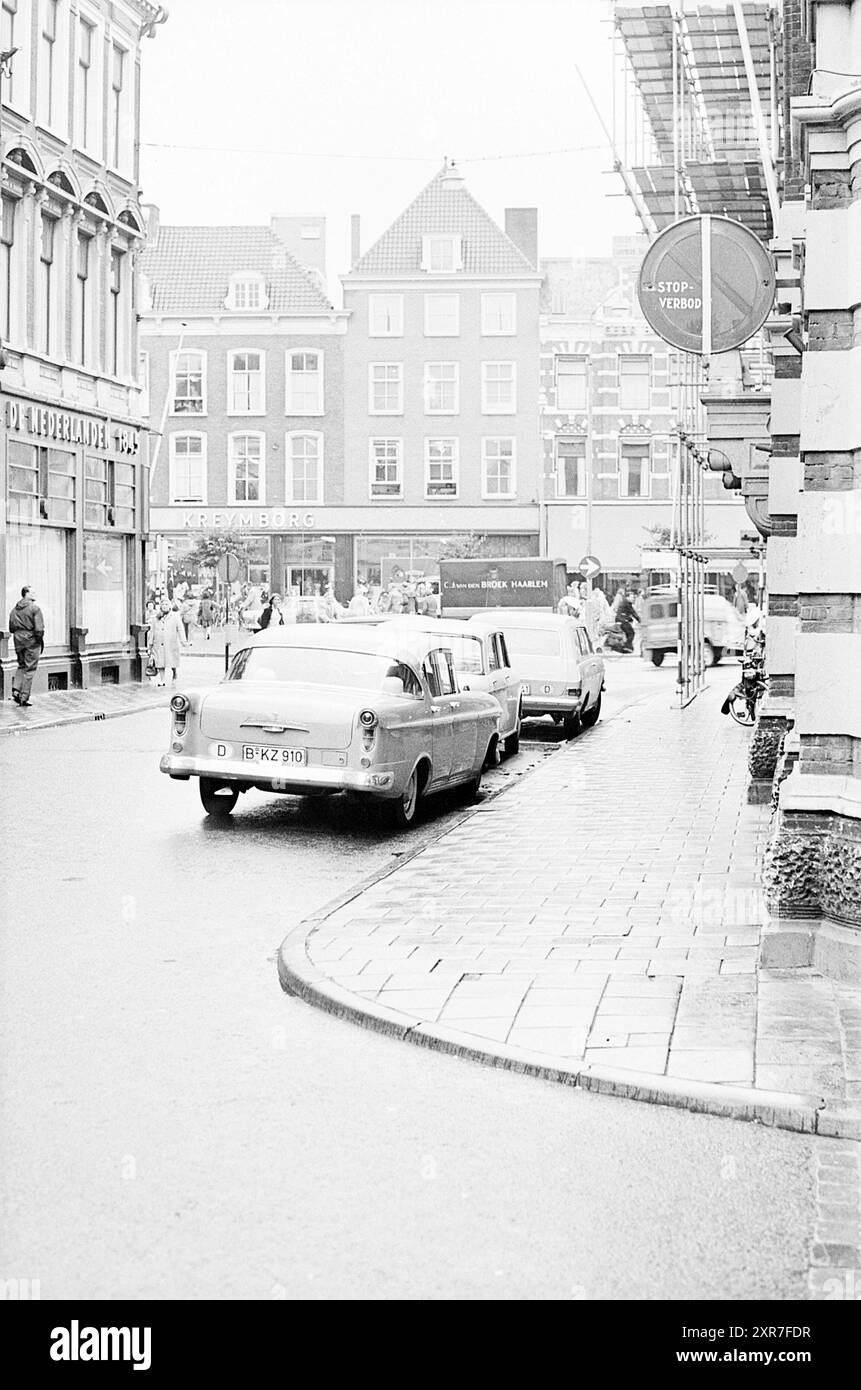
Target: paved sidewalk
pixel 101 702
pixel 600 922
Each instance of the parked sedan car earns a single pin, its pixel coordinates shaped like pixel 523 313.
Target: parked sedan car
pixel 562 676
pixel 481 662
pixel 324 708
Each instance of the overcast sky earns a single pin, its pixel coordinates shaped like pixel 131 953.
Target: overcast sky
pixel 258 107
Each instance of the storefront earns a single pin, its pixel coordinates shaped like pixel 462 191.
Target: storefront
pixel 304 551
pixel 74 487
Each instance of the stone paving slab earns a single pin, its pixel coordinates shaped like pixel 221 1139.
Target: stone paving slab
pixel 100 702
pixel 603 913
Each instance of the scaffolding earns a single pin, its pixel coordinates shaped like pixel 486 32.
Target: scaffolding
pixel 696 127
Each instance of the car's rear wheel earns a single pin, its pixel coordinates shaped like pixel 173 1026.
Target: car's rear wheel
pixel 657 655
pixel 571 725
pixel 468 791
pixel 590 717
pixel 710 657
pixel 493 756
pixel 402 812
pixel 512 743
pixel 219 798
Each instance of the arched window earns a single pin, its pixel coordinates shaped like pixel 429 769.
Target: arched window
pixel 304 460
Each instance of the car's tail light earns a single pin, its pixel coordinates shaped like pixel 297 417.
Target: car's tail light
pixel 573 690
pixel 368 719
pixel 180 704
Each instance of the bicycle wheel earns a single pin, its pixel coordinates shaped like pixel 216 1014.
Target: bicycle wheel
pixel 741 711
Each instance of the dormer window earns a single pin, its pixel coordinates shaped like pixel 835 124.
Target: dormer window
pixel 442 253
pixel 247 293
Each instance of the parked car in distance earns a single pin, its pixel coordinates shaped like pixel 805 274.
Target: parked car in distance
pixel 322 708
pixel 723 628
pixel 481 662
pixel 561 675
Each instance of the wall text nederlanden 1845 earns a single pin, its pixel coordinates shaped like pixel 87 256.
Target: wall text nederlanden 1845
pixel 71 429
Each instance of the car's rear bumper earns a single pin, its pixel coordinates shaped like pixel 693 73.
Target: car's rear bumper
pixel 534 705
pixel 385 780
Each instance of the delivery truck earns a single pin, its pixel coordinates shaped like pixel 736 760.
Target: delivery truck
pixel 468 586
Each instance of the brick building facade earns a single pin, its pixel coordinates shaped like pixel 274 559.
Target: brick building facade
pixel 72 448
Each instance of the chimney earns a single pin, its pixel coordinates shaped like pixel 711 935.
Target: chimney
pixel 521 227
pixel 151 215
pixel 355 225
pixel 304 238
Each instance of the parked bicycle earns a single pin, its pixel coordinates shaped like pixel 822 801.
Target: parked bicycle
pixel 743 700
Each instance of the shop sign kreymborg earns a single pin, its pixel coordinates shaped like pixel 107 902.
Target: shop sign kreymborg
pixel 221 518
pixel 62 425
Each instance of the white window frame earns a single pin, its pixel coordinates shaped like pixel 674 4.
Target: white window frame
pixel 487 409
pixel 187 434
pixel 246 277
pixel 579 360
pixel 497 439
pixel 430 332
pixel 624 494
pixel 455 242
pixel 488 328
pixel 90 141
pixel 288 467
pixel 399 408
pixel 289 406
pixel 640 357
pixel 123 150
pixel 58 120
pixel 455 466
pixel 187 414
pixel 18 92
pixel 376 300
pixel 559 471
pixel 234 501
pixel 455 381
pixel 246 352
pixel 397 440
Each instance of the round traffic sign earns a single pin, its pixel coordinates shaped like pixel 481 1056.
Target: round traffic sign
pixel 228 568
pixel 740 573
pixel 706 284
pixel 589 567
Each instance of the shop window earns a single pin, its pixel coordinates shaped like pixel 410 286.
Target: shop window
pixel 386 465
pixel 109 493
pixel 386 388
pixel 634 382
pixel 105 593
pixel 634 470
pixel 245 461
pixel 442 315
pixel 570 467
pixel 304 383
pixel 188 468
pixel 570 383
pixel 245 383
pixel 42 483
pixel 189 383
pixel 498 314
pixel 259 560
pixel 441 467
pixel 498 389
pixel 385 315
pixel 497 468
pixel 305 468
pixel 38 556
pixel 441 388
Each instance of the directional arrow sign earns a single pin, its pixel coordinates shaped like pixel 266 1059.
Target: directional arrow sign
pixel 103 568
pixel 589 567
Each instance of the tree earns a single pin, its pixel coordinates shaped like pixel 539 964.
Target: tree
pixel 659 536
pixel 468 547
pixel 208 550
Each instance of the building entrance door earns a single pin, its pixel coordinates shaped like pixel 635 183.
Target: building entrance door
pixel 307 580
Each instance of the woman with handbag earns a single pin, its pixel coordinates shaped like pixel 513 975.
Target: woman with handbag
pixel 165 640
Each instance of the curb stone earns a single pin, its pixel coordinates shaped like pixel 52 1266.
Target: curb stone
pixel 805 1114
pixel 91 716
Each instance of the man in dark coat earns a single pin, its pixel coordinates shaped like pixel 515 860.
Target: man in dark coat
pixel 27 627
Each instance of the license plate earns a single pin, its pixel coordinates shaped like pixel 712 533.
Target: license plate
pixel 527 689
pixel 262 753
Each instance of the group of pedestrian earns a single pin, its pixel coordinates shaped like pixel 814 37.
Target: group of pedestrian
pixel 600 617
pixel 396 597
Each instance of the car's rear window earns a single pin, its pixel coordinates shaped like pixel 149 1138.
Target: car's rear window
pixel 312 666
pixel 467 654
pixel 533 641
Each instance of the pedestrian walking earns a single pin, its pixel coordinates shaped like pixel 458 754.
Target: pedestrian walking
pixel 188 613
pixel 206 615
pixel 360 605
pixel 272 615
pixel 27 627
pixel 740 601
pixel 165 642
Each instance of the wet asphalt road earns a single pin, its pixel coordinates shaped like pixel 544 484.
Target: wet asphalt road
pixel 174 1126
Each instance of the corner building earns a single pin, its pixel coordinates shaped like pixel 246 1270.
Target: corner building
pixel 72 449
pixel 441 407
